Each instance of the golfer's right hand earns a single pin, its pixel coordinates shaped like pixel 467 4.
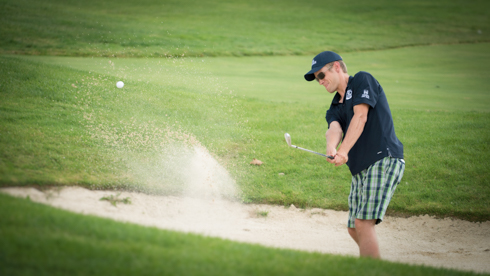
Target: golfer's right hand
pixel 340 159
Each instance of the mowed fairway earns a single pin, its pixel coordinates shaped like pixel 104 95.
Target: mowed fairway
pixel 150 28
pixel 227 77
pixel 439 103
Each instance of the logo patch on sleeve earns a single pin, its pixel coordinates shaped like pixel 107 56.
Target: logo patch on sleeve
pixel 365 94
pixel 349 95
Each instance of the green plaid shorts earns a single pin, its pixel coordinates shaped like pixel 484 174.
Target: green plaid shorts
pixel 371 190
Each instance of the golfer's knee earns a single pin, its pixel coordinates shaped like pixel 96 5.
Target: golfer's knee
pixel 352 231
pixel 353 234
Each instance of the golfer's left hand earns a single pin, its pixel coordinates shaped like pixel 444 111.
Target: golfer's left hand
pixel 331 152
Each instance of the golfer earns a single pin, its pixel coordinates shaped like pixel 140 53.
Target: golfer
pixel 360 118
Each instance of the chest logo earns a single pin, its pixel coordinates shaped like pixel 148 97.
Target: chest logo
pixel 349 95
pixel 365 94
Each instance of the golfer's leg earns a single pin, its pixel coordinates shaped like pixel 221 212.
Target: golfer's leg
pixel 353 234
pixel 367 240
pixel 354 199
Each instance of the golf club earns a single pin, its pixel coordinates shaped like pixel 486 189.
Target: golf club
pixel 288 140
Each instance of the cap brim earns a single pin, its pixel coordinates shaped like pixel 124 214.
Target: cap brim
pixel 311 74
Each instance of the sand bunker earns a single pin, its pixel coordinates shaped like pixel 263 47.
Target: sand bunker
pixel 204 209
pixel 445 243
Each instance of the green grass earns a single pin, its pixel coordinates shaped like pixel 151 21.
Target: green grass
pixel 152 28
pixel 63 122
pixel 41 240
pixel 114 199
pixel 64 126
pixel 445 131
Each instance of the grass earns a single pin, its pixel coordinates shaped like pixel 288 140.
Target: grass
pixel 262 214
pixel 114 199
pixel 63 122
pixel 41 240
pixel 73 142
pixel 445 150
pixel 153 28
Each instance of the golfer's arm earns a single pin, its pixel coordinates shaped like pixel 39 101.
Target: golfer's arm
pixel 356 128
pixel 333 136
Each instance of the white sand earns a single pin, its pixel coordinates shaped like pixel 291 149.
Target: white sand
pixel 448 243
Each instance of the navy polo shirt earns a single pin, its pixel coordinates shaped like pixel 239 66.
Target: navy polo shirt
pixel 378 139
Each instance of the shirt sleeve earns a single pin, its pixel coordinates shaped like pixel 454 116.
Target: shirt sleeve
pixel 365 89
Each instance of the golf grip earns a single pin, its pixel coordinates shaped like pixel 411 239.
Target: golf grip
pixel 330 157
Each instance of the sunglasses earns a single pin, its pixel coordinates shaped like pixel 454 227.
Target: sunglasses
pixel 320 76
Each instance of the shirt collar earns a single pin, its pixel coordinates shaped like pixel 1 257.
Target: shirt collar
pixel 336 98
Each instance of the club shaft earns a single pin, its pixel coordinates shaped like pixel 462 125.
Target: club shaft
pixel 331 157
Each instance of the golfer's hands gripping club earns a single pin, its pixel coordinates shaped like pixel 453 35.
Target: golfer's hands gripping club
pixel 331 152
pixel 331 155
pixel 338 159
pixel 334 137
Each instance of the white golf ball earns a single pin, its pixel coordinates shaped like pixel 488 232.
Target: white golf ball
pixel 120 84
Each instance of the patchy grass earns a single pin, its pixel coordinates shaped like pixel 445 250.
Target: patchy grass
pixel 114 199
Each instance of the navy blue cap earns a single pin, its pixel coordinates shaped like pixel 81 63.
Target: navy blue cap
pixel 319 61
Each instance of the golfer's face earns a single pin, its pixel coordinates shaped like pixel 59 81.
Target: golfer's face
pixel 327 78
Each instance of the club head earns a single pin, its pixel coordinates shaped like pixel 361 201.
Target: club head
pixel 288 138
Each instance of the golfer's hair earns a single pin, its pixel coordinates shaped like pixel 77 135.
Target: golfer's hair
pixel 342 65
